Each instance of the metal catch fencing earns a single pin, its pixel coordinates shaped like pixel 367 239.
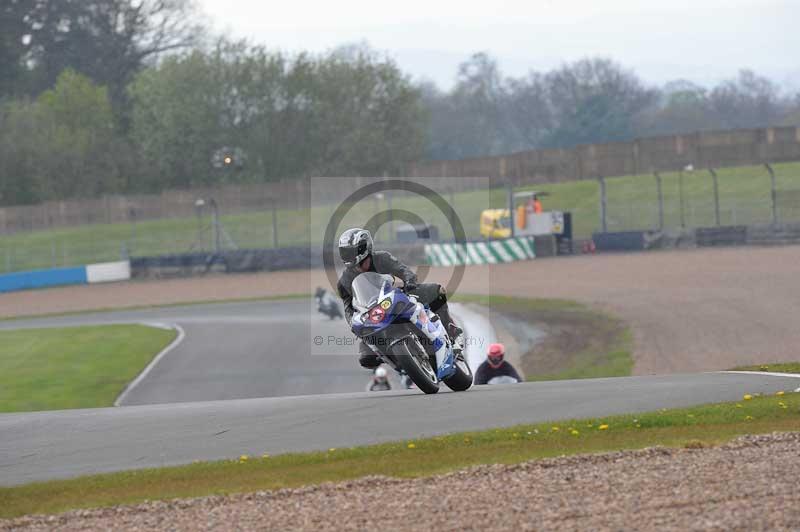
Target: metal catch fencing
pixel 695 198
pixel 691 198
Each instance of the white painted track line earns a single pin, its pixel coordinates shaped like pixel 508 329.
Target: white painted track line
pixel 769 373
pixel 175 343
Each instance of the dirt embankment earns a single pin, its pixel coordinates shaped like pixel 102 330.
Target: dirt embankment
pixel 689 311
pixel 548 340
pixel 748 484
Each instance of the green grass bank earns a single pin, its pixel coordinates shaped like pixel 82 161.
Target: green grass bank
pixel 76 367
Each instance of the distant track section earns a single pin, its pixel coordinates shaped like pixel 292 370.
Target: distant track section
pixel 236 351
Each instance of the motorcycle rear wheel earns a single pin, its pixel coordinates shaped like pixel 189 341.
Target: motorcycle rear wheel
pixel 416 364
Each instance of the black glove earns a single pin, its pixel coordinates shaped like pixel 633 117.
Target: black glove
pixel 409 286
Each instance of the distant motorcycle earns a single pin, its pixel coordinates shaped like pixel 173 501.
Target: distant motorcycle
pixel 503 379
pixel 327 305
pixel 379 381
pixel 406 335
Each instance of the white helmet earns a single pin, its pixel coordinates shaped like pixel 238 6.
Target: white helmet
pixel 380 373
pixel 355 245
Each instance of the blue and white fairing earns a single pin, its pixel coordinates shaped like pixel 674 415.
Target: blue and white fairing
pixel 434 331
pixel 378 305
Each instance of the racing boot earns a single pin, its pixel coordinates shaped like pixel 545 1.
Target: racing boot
pixel 367 357
pixel 457 337
pixel 454 331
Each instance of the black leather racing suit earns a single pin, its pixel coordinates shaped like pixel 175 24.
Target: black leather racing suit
pixel 430 294
pixel 486 372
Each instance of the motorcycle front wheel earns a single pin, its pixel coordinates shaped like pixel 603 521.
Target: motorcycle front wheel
pixel 413 359
pixel 462 379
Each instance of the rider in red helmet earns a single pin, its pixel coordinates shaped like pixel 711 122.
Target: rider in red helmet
pixel 495 365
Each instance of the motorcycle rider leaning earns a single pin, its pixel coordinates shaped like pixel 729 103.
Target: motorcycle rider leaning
pixel 355 249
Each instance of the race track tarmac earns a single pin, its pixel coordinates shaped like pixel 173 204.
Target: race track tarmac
pixel 237 351
pixel 50 445
pixel 249 350
pixel 248 378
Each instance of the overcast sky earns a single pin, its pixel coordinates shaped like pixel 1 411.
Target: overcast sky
pixel 704 41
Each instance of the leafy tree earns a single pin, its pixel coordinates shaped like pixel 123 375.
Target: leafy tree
pixel 366 113
pixel 61 145
pixel 176 122
pixel 80 153
pixel 19 150
pixel 349 112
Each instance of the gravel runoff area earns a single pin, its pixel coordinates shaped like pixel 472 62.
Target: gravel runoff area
pixel 690 310
pixel 747 484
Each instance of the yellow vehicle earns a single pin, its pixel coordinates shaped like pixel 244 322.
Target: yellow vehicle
pixel 495 223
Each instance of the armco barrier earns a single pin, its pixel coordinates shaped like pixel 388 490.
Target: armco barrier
pixel 11 282
pixel 619 241
pixel 488 252
pixel 634 241
pixel 249 260
pixel 93 273
pixel 730 235
pixel 545 245
pixel 774 235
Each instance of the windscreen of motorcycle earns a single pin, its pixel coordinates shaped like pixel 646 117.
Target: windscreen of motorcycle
pixel 367 288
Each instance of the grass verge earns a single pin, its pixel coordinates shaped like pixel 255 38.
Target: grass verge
pixel 778 367
pixel 581 342
pixel 701 426
pixel 75 367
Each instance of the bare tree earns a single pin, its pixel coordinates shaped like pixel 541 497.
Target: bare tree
pixel 528 111
pixel 107 40
pixel 747 101
pixel 467 121
pixel 594 100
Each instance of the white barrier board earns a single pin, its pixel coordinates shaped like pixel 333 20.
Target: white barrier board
pixel 544 223
pixel 108 272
